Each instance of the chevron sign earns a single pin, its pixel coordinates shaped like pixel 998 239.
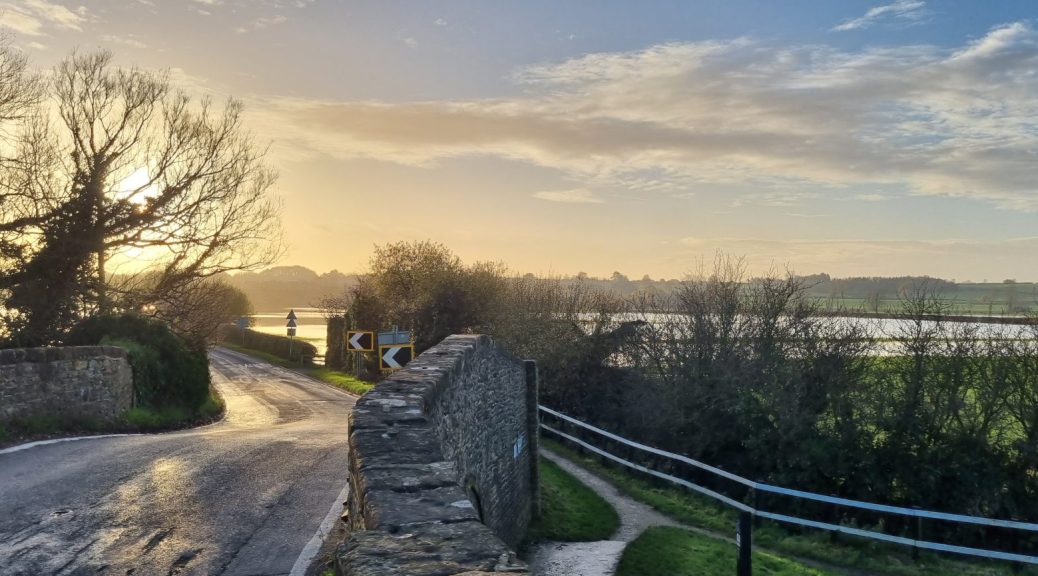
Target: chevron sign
pixel 394 356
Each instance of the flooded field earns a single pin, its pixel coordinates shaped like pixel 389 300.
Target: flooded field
pixel 311 326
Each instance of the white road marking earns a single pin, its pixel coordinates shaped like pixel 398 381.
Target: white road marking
pixel 313 547
pixel 28 445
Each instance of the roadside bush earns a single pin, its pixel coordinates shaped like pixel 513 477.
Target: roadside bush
pixel 166 371
pixel 147 369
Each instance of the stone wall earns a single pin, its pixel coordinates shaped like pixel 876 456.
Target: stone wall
pixel 90 382
pixel 443 467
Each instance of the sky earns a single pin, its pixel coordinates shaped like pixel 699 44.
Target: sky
pixel 853 138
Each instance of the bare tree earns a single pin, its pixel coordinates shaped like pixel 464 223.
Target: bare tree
pixel 132 165
pixel 20 89
pixel 20 92
pixel 197 310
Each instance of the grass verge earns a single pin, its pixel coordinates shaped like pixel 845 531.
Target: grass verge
pixel 152 420
pixel 43 427
pixel 664 551
pixel 342 380
pixel 570 511
pixel 848 555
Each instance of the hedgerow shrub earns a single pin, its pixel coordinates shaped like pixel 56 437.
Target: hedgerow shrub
pixel 294 349
pixel 166 371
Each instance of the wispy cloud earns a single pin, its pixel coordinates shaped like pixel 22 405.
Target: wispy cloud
pixel 37 17
pixel 930 120
pixel 261 23
pixel 130 40
pixel 901 11
pixel 575 196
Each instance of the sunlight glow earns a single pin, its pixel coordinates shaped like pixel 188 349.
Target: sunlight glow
pixel 136 188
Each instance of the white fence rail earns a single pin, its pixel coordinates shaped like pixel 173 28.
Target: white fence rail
pixel 767 488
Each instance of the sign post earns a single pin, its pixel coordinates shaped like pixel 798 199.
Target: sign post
pixel 744 540
pixel 291 331
pixel 242 323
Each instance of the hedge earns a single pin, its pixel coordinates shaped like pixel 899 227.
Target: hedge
pixel 167 372
pixel 279 346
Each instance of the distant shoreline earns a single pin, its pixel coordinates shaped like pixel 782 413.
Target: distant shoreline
pixel 984 319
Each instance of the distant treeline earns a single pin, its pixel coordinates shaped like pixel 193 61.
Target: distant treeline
pixel 293 286
pixel 284 287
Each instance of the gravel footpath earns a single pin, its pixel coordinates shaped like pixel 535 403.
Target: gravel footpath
pixel 594 558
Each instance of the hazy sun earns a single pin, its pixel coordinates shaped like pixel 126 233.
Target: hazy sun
pixel 136 187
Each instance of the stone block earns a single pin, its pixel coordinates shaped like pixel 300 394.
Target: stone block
pixel 430 550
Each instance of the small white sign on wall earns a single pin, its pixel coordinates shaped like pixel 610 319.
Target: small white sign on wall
pixel 517 447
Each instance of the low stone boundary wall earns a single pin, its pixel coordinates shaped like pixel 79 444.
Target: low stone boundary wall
pixel 443 466
pixel 91 382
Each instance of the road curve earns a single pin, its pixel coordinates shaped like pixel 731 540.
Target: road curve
pixel 242 497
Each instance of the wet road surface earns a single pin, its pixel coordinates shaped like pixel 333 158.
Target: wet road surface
pixel 242 497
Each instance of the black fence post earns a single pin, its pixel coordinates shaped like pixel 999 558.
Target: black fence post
pixel 1014 547
pixel 533 431
pixel 918 534
pixel 756 506
pixel 744 540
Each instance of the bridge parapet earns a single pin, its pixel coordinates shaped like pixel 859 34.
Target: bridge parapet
pixel 443 465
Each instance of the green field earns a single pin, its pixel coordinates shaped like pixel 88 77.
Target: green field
pixel 969 299
pixel 664 551
pixel 849 555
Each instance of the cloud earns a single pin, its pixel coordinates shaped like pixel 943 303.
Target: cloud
pixel 35 17
pixel 128 40
pixel 902 11
pixel 261 23
pixel 575 196
pixel 789 121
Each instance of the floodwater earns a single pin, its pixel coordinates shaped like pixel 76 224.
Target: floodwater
pixel 311 325
pixel 313 329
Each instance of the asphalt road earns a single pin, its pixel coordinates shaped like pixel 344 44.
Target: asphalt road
pixel 240 497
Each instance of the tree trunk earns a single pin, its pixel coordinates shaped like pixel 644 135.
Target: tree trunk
pixel 103 305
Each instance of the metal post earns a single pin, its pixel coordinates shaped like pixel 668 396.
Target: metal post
pixel 744 540
pixel 918 534
pixel 533 429
pixel 756 505
pixel 1014 546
